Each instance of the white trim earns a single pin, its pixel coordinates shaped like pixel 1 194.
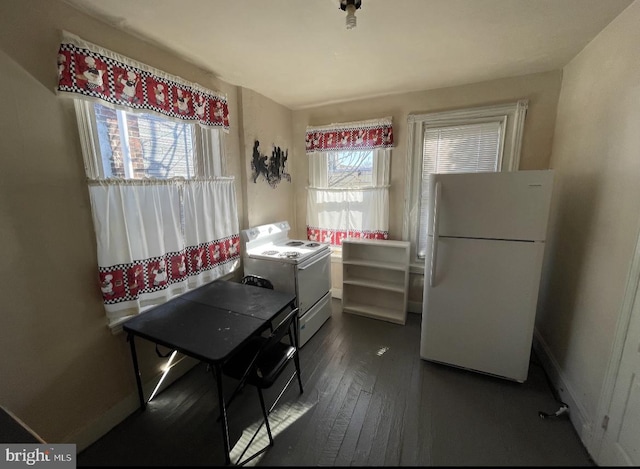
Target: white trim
pixel 127 165
pixel 613 367
pixel 577 412
pixel 518 131
pixel 512 115
pixel 211 143
pixel 207 163
pixel 455 115
pixel 88 138
pixel 351 125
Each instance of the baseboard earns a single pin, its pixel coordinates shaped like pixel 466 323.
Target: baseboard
pixel 99 427
pixel 577 412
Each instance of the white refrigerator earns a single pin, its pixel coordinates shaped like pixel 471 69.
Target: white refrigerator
pixel 485 244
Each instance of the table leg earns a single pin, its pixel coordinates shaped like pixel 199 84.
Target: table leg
pixel 136 369
pixel 217 370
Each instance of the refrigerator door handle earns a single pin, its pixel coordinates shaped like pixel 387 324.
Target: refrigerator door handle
pixel 436 227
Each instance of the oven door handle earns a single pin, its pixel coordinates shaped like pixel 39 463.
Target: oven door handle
pixel 304 266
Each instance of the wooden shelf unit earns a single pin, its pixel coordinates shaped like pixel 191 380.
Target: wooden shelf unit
pixel 375 278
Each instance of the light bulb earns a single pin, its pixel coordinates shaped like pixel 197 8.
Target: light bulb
pixel 351 16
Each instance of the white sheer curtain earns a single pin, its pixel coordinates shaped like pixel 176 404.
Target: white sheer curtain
pixel 157 239
pixel 334 214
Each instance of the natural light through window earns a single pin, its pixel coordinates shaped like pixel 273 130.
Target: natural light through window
pixel 481 139
pixel 282 417
pixel 137 146
pixel 350 169
pixel 165 372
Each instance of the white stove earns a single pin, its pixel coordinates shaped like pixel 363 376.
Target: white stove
pixel 299 266
pixel 272 242
pixel 293 251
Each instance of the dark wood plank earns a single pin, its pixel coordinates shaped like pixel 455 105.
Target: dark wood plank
pixel 369 400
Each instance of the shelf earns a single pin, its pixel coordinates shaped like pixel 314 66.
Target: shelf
pixel 375 278
pixel 375 263
pixel 381 285
pixel 376 312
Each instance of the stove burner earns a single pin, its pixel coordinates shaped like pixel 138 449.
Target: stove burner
pixel 270 253
pixel 313 245
pixel 295 243
pixel 290 254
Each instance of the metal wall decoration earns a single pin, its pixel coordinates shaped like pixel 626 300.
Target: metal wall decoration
pixel 272 169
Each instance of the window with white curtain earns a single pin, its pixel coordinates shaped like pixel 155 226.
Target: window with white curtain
pixel 348 193
pixel 482 139
pixel 164 215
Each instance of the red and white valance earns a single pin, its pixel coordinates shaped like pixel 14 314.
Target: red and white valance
pixel 88 71
pixel 363 135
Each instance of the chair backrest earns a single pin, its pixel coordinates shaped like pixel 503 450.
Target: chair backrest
pixel 257 281
pixel 273 346
pixel 283 329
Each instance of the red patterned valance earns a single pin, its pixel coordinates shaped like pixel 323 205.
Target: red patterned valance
pixel 365 135
pixel 90 71
pixel 336 236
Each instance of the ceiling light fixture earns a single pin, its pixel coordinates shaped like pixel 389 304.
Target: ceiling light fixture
pixel 350 6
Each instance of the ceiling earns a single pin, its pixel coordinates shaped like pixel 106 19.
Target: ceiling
pixel 300 54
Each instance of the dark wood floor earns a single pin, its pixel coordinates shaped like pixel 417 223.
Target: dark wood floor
pixel 369 400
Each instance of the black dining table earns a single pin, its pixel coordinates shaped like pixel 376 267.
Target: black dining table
pixel 209 324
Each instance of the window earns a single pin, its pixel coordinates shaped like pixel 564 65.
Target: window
pixel 350 169
pixel 136 145
pixel 348 193
pixel 475 140
pixel 165 217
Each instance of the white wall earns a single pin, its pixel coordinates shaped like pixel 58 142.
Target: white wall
pixel 264 120
pixel 541 89
pixel 65 369
pixel 596 212
pixel 61 369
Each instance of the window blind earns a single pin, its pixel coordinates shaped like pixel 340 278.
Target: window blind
pixel 456 149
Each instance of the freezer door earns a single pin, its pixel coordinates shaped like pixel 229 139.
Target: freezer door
pixel 480 312
pixel 506 205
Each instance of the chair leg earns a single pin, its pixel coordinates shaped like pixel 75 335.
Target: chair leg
pixel 266 417
pixel 293 341
pixel 296 360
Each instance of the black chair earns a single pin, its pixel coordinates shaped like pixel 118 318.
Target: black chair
pixel 257 281
pixel 261 362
